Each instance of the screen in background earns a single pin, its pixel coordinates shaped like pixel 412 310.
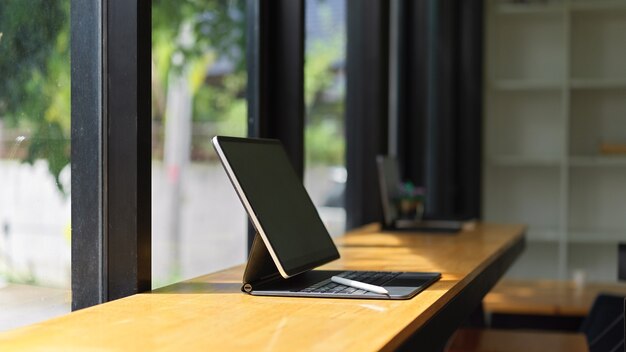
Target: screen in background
pixel 388 172
pixel 280 202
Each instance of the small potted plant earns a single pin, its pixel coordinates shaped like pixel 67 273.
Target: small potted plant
pixel 410 201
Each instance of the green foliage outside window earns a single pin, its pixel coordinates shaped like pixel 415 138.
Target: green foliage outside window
pixel 35 74
pixel 35 78
pixel 188 37
pixel 193 36
pixel 324 97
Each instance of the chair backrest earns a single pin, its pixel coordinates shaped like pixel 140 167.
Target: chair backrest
pixel 621 261
pixel 604 326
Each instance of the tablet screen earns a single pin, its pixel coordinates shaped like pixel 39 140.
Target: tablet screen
pixel 277 203
pixel 389 181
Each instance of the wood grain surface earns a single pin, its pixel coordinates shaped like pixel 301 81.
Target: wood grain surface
pixel 546 297
pixel 210 313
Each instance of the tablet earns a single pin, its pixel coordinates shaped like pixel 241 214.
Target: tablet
pixel 277 202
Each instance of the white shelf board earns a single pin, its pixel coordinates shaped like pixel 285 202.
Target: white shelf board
pixel 598 5
pixel 525 84
pixel 597 161
pixel 519 186
pixel 542 235
pixel 529 9
pixel 514 160
pixel 596 237
pixel 583 83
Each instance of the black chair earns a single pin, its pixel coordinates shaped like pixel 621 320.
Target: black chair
pixel 604 326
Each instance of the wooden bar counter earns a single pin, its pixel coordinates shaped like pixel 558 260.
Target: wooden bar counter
pixel 210 313
pixel 547 297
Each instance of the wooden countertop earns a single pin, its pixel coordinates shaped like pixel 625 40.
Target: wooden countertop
pixel 210 312
pixel 547 297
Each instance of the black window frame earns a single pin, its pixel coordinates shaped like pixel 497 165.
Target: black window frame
pixel 367 104
pixel 111 120
pixel 111 149
pixel 111 130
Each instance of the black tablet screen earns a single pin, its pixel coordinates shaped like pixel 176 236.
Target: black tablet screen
pixel 278 201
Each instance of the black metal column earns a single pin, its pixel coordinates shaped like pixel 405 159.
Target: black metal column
pixel 414 44
pixel 439 115
pixel 87 155
pixel 111 178
pixel 470 122
pixel 366 106
pixel 442 109
pixel 128 159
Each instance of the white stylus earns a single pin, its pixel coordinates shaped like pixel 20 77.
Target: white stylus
pixel 359 285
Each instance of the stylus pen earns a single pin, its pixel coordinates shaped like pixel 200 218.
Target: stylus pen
pixel 359 285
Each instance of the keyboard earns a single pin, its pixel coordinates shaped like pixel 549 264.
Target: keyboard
pixel 377 278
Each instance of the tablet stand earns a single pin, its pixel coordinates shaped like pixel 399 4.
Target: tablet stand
pixel 260 267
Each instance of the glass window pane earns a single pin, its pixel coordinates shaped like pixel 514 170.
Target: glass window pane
pixel 198 91
pixel 35 176
pixel 325 171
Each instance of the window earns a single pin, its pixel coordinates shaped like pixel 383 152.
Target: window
pixel 197 80
pixel 198 91
pixel 325 50
pixel 35 231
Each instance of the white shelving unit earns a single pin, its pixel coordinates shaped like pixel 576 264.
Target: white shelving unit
pixel 556 90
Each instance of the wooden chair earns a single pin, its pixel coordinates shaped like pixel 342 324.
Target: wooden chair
pixel 490 340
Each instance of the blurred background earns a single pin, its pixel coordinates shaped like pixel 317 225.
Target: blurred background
pixel 554 138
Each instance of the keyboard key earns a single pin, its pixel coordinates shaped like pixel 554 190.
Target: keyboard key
pixel 371 277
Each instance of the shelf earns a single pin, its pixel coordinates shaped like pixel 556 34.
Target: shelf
pixel 523 161
pixel 543 235
pixel 597 122
pixel 596 200
pixel 523 195
pixel 533 53
pixel 555 105
pixel 530 9
pixel 539 261
pixel 581 83
pixel 596 237
pixel 575 83
pixel 594 262
pixel 526 128
pixel 598 49
pixel 598 5
pixel 597 161
pixel 522 85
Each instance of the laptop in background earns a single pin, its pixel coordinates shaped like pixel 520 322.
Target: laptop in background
pixel 291 239
pixel 389 182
